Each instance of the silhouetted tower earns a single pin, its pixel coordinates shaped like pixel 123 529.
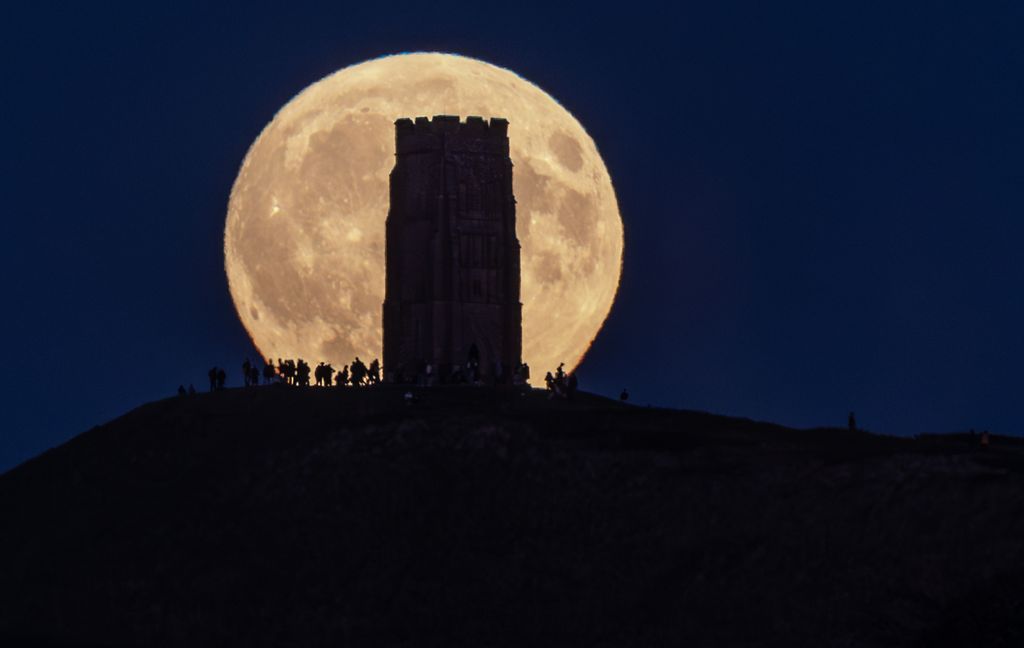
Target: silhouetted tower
pixel 452 252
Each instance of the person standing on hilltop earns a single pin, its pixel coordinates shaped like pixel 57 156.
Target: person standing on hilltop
pixel 302 373
pixel 358 371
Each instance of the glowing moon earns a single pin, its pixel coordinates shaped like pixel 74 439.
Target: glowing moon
pixel 304 240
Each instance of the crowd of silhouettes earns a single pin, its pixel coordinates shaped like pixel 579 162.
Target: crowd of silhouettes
pixel 298 372
pixel 359 374
pixel 561 384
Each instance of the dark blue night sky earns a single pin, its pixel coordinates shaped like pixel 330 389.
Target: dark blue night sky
pixel 824 205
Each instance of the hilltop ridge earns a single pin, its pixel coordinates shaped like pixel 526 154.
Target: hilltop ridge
pixel 276 516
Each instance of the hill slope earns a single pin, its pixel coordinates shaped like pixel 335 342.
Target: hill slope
pixel 285 517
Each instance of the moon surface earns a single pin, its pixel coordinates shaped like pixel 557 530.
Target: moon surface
pixel 304 239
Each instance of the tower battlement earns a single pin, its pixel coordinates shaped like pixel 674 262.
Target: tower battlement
pixel 475 134
pixel 475 126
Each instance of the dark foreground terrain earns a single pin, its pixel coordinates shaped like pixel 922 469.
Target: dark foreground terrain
pixel 284 517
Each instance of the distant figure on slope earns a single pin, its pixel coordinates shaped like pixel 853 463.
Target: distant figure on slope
pixel 254 376
pixel 624 396
pixel 181 390
pixel 549 382
pixel 374 372
pixel 851 421
pixel 212 373
pixel 246 366
pixel 341 379
pixel 268 372
pixel 222 378
pixel 319 374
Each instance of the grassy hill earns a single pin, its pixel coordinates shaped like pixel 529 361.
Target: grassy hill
pixel 473 517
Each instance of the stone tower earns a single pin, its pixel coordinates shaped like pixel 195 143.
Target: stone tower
pixel 452 288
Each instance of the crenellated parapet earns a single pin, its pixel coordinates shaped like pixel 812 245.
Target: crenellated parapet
pixel 474 135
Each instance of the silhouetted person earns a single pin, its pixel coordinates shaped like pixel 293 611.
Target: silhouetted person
pixel 342 379
pixel 302 373
pixel 319 374
pixel 268 371
pixel 212 373
pixel 328 375
pixel 560 374
pixel 851 421
pixel 222 378
pixel 358 371
pixel 254 376
pixel 246 366
pixel 624 396
pixel 374 372
pixel 191 389
pixel 549 382
pixel 181 390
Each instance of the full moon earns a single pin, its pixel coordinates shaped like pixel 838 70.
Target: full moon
pixel 304 239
